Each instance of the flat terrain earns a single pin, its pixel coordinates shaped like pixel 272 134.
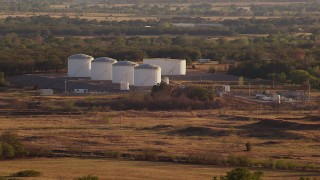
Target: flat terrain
pixel 274 134
pixel 69 168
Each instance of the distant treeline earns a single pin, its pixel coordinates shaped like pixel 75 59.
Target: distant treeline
pixel 163 7
pixel 46 25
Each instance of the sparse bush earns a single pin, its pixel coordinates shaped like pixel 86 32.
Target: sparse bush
pixel 199 93
pixel 212 69
pixel 148 155
pixel 69 105
pixel 304 178
pixel 11 145
pixel 242 174
pixel 2 80
pixel 160 88
pixel 239 160
pixel 112 154
pixel 7 151
pixel 27 173
pixel 205 158
pixel 37 151
pixel 89 177
pixel 248 146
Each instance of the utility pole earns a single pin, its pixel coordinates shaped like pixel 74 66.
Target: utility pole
pixel 309 89
pixel 65 86
pixel 249 90
pixel 272 80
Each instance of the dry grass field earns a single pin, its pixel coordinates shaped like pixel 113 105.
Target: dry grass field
pixel 287 138
pixel 70 168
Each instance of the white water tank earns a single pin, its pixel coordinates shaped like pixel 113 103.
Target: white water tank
pixel 79 65
pixel 101 68
pixel 169 66
pixel 147 75
pixel 123 71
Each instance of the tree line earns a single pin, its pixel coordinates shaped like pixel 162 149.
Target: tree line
pixel 66 26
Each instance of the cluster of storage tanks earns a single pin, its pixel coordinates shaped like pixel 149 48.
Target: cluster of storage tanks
pixel 104 68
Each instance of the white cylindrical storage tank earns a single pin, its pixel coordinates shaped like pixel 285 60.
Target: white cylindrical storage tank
pixel 101 68
pixel 169 66
pixel 147 75
pixel 123 71
pixel 79 65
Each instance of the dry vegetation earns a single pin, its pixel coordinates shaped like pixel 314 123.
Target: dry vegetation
pixel 279 138
pixel 54 169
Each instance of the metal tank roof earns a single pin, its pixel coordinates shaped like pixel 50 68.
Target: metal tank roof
pixel 166 59
pixel 80 56
pixel 147 66
pixel 125 63
pixel 105 59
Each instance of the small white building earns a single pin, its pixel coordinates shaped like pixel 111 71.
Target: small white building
pixel 123 71
pixel 169 66
pixel 226 88
pixel 147 75
pixel 46 92
pixel 80 91
pixel 101 68
pixel 124 86
pixel 79 65
pixel 204 60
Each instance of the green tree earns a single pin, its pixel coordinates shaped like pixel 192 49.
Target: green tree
pixel 2 81
pixel 242 174
pixel 241 81
pixel 299 76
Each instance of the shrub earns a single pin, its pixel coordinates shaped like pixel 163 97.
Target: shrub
pixel 248 146
pixel 212 69
pixel 160 88
pixel 11 145
pixel 89 177
pixel 199 93
pixel 242 174
pixel 27 173
pixel 7 151
pixel 239 160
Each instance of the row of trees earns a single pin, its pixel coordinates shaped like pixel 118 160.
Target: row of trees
pixel 46 25
pixel 140 7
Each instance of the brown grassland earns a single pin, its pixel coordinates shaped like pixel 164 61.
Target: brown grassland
pixel 70 168
pixel 287 138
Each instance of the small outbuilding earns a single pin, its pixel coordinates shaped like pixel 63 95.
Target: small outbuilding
pixel 147 75
pixel 45 92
